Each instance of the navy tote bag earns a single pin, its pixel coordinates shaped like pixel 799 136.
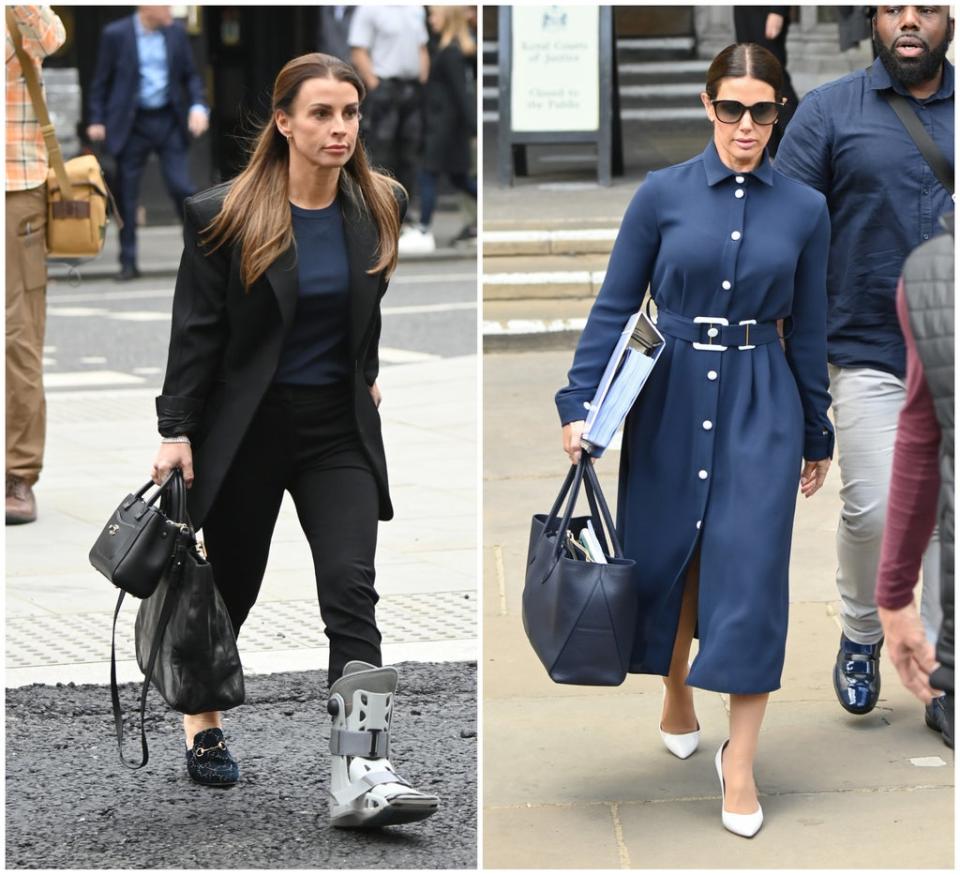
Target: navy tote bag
pixel 580 616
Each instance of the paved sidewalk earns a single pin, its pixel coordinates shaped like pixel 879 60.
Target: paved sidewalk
pixel 578 777
pixel 100 445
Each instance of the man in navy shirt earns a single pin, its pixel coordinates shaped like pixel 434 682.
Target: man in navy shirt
pixel 846 141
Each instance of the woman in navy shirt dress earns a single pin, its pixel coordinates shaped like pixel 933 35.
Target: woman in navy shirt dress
pixel 714 448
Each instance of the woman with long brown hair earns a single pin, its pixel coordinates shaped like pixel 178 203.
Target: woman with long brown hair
pixel 271 385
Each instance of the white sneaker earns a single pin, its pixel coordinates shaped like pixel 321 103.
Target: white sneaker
pixel 414 241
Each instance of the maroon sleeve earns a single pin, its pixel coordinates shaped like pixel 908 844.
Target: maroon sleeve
pixel 914 483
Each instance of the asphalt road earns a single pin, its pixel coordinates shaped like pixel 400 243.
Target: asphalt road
pixel 71 805
pixel 104 334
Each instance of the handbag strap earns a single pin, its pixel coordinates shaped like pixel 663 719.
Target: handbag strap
pixel 594 491
pixel 169 602
pixel 938 162
pixel 143 489
pixel 574 491
pixel 55 156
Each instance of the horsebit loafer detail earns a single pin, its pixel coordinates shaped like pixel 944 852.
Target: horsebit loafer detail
pixel 856 675
pixel 209 762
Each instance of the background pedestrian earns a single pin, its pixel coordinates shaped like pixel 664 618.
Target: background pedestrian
pixel 768 26
pixel 389 49
pixel 156 110
pixel 42 34
pixel 922 483
pixel 846 141
pixel 450 117
pixel 333 30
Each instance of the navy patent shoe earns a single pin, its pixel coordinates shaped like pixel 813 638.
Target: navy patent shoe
pixel 209 762
pixel 856 675
pixel 935 715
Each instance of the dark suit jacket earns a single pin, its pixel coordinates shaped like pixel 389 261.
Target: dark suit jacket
pixel 225 346
pixel 115 90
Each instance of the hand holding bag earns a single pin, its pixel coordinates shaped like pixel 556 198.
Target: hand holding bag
pixel 579 616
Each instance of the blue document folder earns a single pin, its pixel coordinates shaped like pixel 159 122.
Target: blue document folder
pixel 633 358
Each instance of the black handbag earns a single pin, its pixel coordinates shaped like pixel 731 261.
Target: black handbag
pixel 198 668
pixel 185 641
pixel 579 616
pixel 136 543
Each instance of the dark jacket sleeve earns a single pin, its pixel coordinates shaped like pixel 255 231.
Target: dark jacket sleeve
pixel 198 331
pixel 102 80
pixel 371 365
pixel 188 70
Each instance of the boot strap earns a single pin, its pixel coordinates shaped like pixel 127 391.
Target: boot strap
pixel 366 783
pixel 371 744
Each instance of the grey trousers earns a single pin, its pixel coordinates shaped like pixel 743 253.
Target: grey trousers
pixel 866 405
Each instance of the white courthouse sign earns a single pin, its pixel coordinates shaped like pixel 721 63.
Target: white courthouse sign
pixel 555 68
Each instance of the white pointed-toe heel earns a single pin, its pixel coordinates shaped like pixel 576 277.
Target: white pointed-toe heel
pixel 746 825
pixel 682 744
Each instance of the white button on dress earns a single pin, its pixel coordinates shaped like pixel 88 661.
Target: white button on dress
pixel 738 193
pixel 740 179
pixel 711 375
pixel 727 285
pixel 712 332
pixel 735 235
pixel 707 425
pixel 698 523
pixel 703 475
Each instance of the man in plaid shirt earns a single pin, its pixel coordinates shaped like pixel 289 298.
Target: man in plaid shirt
pixel 42 34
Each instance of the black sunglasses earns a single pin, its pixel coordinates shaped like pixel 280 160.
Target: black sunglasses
pixel 731 111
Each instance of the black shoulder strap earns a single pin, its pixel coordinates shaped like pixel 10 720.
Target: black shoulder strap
pixel 931 154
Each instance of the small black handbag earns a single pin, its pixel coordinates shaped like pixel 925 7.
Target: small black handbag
pixel 579 616
pixel 136 543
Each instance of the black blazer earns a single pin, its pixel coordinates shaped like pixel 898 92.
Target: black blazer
pixel 225 345
pixel 115 89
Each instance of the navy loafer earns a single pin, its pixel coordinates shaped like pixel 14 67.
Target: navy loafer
pixel 856 675
pixel 209 762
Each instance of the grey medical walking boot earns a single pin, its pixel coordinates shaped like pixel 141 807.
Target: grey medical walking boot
pixel 365 790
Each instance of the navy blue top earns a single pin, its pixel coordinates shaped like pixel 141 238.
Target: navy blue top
pixel 316 350
pixel 712 450
pixel 846 141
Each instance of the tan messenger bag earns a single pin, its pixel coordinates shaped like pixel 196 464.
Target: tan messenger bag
pixel 77 194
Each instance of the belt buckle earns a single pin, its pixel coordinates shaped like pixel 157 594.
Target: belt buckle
pixel 748 323
pixel 714 320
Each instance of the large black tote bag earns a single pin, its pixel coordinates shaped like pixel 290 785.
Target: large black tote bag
pixel 580 616
pixel 185 629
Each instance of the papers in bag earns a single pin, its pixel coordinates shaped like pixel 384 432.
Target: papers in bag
pixel 633 358
pixel 591 544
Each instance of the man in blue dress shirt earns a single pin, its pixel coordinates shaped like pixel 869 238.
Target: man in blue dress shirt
pixel 884 200
pixel 146 96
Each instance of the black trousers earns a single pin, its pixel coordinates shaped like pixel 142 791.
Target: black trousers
pixel 392 128
pixel 303 439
